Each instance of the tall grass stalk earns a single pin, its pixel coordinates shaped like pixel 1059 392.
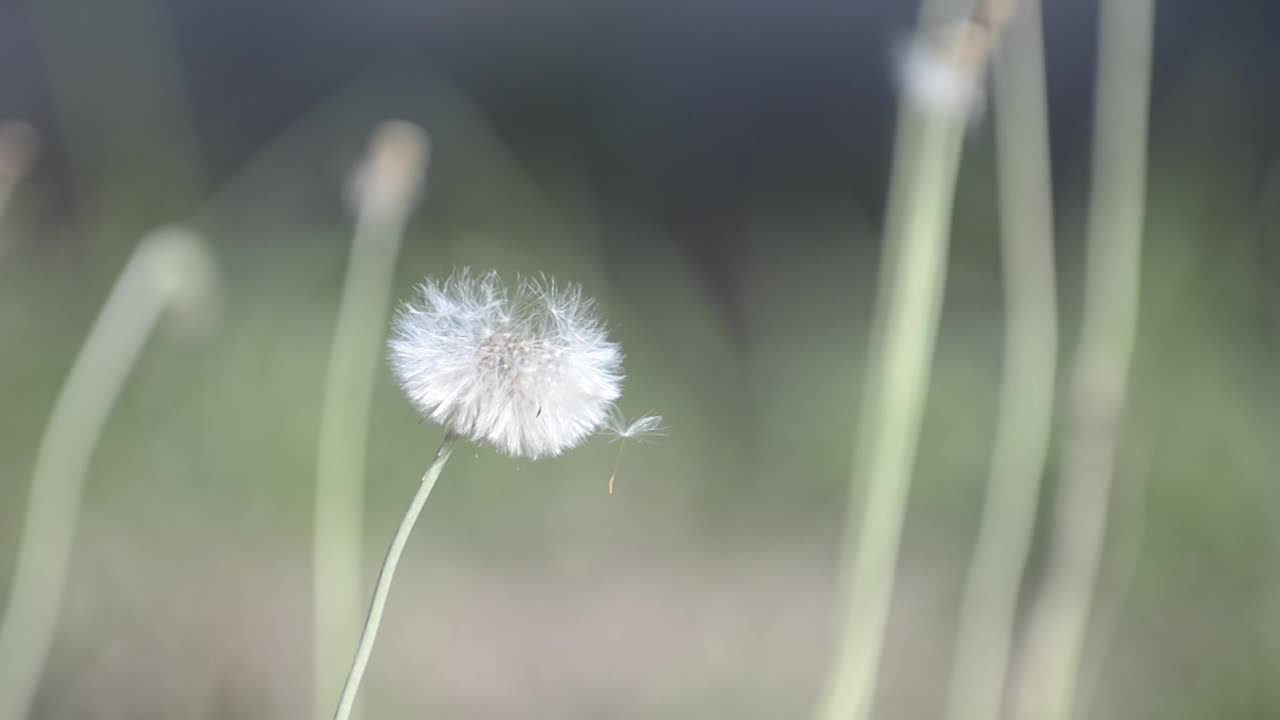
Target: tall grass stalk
pixel 1025 414
pixel 384 192
pixel 932 121
pixel 171 269
pixel 1058 622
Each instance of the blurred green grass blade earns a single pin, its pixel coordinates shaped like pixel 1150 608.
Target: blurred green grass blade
pixel 1059 619
pixel 1025 415
pixel 908 306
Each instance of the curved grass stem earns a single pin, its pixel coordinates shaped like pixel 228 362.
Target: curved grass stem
pixel 161 271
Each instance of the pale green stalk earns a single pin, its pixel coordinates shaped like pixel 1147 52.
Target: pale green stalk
pixel 383 587
pixel 384 192
pixel 1025 414
pixel 926 161
pixel 1058 621
pixel 1127 527
pixel 163 272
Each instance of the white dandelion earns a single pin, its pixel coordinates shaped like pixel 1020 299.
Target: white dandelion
pixel 531 372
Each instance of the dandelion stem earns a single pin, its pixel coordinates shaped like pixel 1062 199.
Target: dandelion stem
pixel 165 264
pixel 383 587
pixel 939 89
pixel 616 463
pixel 384 197
pixel 926 161
pixel 1058 621
pixel 1026 394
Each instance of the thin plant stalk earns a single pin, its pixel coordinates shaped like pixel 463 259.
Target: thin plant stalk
pixel 160 275
pixel 384 191
pixel 383 586
pixel 1058 623
pixel 1025 415
pixel 908 306
pixel 1127 522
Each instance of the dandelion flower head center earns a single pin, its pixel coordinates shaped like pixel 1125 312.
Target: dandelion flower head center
pixel 511 356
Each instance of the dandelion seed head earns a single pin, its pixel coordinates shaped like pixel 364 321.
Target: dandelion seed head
pixel 389 179
pixel 936 81
pixel 532 371
pixel 180 267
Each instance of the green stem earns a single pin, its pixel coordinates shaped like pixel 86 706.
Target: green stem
pixel 1027 385
pixel 908 306
pixel 389 178
pixel 383 587
pixel 1059 619
pixel 164 265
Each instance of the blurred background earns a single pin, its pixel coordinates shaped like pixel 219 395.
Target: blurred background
pixel 714 173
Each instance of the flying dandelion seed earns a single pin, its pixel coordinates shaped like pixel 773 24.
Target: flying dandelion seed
pixel 639 430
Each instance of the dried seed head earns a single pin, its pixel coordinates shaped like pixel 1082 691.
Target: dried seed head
pixel 180 266
pixel 941 73
pixel 532 372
